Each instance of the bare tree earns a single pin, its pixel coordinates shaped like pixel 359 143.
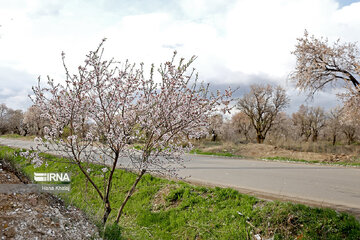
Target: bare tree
pixel 262 105
pixel 241 123
pixel 317 119
pixel 14 121
pixel 349 131
pixel 334 123
pixel 10 120
pixel 283 127
pixel 33 123
pixel 301 120
pixel 216 122
pixel 309 120
pixel 349 124
pixel 228 133
pixel 3 115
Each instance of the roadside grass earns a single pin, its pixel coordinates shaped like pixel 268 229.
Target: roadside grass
pixel 222 154
pixel 319 147
pixel 357 164
pixel 17 136
pixel 164 209
pixel 225 153
pixel 291 159
pixel 228 154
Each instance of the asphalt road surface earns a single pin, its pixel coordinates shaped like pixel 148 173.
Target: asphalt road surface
pixel 327 186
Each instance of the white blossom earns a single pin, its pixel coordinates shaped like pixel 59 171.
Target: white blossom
pixel 98 114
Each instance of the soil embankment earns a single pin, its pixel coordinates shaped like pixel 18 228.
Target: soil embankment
pixel 38 215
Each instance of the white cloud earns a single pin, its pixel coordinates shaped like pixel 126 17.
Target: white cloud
pixel 234 42
pixel 261 34
pixel 16 100
pixel 348 15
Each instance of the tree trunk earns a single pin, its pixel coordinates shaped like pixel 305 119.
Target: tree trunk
pixel 334 140
pixel 350 135
pixel 260 138
pixel 246 137
pixel 108 189
pixel 130 193
pixel 307 136
pixel 25 132
pixel 107 212
pixel 315 137
pixel 213 136
pixel 350 139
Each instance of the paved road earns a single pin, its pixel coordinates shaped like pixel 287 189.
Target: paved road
pixel 336 187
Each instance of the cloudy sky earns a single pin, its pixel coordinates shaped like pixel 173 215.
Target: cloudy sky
pixel 238 42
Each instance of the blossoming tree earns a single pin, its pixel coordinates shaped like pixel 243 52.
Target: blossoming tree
pixel 102 111
pixel 320 64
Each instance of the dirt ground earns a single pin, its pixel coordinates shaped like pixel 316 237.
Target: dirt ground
pixel 39 216
pixel 264 150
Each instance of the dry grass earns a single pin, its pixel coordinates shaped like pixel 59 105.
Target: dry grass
pixel 19 137
pixel 320 152
pixel 159 201
pixel 319 147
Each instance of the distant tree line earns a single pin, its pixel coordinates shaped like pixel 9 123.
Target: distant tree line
pixel 23 123
pixel 260 118
pixel 261 121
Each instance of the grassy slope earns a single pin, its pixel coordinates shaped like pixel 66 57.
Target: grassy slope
pixel 162 209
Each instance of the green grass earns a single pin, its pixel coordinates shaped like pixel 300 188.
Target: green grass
pixel 163 209
pixel 17 136
pixel 291 159
pixel 313 161
pixel 222 154
pixel 11 136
